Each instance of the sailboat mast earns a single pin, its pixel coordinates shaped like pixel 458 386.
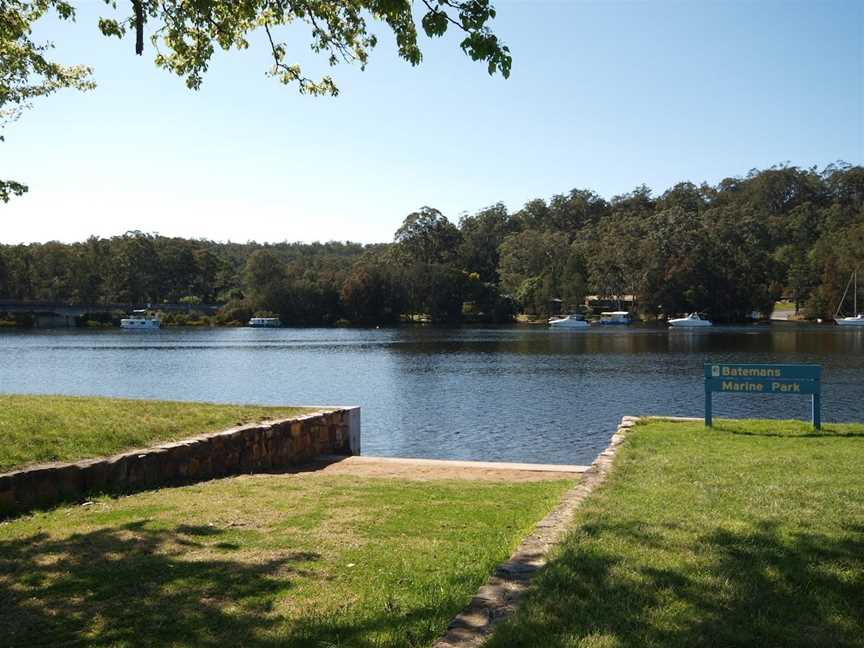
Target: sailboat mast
pixel 845 292
pixel 855 299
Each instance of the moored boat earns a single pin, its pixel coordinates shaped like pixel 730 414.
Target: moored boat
pixel 571 321
pixel 857 318
pixel 141 320
pixel 693 320
pixel 265 322
pixel 611 318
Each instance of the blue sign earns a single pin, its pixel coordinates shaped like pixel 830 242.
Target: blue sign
pixel 765 379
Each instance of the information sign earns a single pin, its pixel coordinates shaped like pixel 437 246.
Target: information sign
pixel 765 379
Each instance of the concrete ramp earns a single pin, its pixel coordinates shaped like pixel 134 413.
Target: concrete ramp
pixel 429 469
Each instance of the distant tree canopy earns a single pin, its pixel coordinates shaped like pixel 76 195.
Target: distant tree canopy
pixel 727 250
pixel 184 35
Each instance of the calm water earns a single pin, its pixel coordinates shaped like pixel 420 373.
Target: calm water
pixel 510 394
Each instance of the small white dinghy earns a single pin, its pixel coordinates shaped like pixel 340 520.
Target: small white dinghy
pixel 693 320
pixel 572 321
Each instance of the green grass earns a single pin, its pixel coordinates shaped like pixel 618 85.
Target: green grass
pixel 36 429
pixel 750 534
pixel 784 306
pixel 264 560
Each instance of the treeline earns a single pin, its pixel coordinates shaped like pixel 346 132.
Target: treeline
pixel 726 250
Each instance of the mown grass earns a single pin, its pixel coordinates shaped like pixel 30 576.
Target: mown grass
pixel 36 429
pixel 265 560
pixel 784 306
pixel 748 534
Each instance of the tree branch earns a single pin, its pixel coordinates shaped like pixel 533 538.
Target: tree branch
pixel 139 26
pixel 445 14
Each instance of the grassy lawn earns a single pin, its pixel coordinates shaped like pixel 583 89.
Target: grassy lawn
pixel 784 306
pixel 750 534
pixel 36 429
pixel 264 560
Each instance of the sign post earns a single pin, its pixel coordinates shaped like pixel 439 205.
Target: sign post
pixel 765 379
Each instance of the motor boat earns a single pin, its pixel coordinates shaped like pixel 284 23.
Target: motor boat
pixel 571 321
pixel 693 320
pixel 265 322
pixel 611 318
pixel 141 320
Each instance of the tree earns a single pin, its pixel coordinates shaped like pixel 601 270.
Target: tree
pixel 532 266
pixel 437 290
pixel 133 274
pixel 264 277
pixel 53 271
pixel 373 294
pixel 684 195
pixel 428 237
pixel 25 72
pixel 4 275
pixel 185 35
pixel 573 212
pixel 209 267
pixel 482 235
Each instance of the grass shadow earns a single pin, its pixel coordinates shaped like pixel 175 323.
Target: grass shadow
pixel 805 431
pixel 131 585
pixel 135 585
pixel 760 587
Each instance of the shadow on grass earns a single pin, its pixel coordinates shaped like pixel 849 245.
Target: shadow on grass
pixel 753 588
pixel 803 433
pixel 129 585
pixel 133 585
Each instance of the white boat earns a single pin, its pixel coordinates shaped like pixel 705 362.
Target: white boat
pixel 857 318
pixel 265 322
pixel 141 320
pixel 572 321
pixel 608 318
pixel 693 320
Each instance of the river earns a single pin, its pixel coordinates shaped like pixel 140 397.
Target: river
pixel 500 394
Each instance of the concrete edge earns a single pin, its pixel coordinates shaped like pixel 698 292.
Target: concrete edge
pixel 501 595
pixel 482 465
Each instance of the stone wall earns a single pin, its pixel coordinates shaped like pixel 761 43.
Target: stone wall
pixel 261 447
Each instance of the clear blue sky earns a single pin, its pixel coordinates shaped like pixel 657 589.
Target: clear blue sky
pixel 603 95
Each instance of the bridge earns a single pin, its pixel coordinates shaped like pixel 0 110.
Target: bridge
pixel 47 314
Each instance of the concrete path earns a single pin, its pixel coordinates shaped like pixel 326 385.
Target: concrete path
pixel 430 469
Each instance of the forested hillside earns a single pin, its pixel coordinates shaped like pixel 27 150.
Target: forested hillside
pixel 726 250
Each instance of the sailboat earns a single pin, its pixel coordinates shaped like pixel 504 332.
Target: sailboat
pixel 857 318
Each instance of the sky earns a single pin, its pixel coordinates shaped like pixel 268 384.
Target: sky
pixel 604 95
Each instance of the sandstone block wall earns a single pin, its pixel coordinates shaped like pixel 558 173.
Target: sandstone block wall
pixel 251 448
